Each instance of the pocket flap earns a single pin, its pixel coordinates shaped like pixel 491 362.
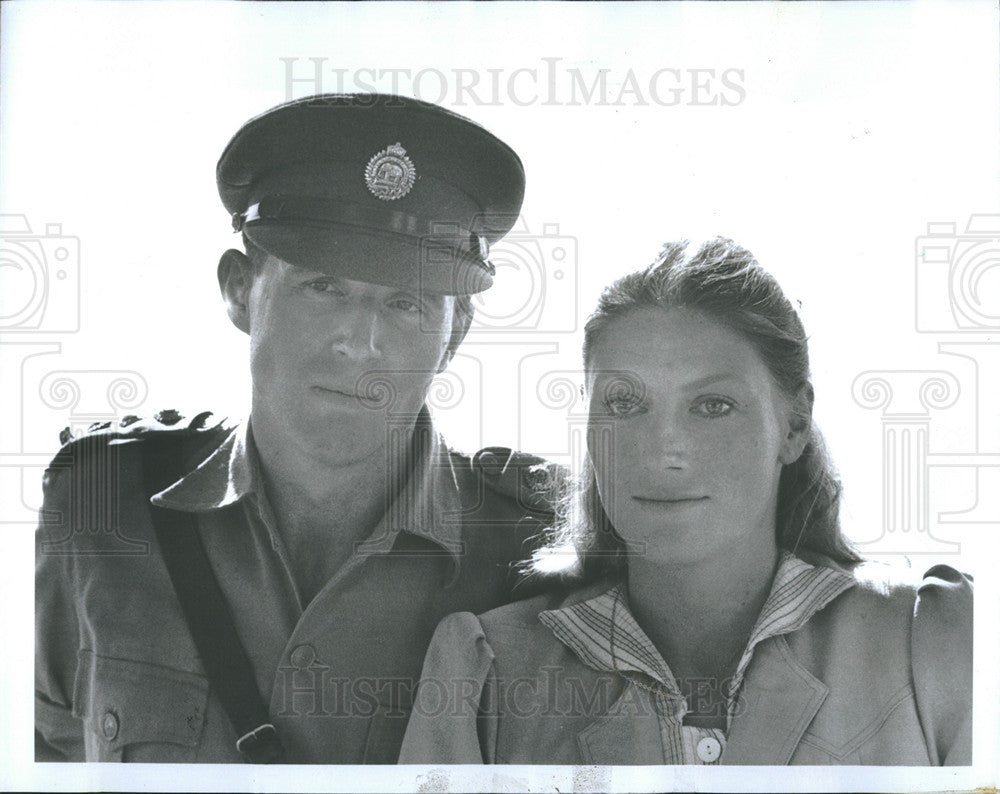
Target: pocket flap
pixel 124 701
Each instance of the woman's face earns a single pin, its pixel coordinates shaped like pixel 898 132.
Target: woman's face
pixel 687 434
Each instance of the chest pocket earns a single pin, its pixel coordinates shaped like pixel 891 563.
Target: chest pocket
pixel 136 711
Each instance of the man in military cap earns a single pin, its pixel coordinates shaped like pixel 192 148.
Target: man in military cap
pixel 292 569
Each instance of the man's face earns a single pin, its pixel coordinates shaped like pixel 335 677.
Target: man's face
pixel 338 364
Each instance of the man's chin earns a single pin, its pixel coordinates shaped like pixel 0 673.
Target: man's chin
pixel 334 448
pixel 347 438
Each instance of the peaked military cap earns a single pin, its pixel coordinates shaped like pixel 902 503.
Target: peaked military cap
pixel 373 187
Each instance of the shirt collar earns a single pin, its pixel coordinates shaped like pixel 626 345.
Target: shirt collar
pixel 427 505
pixel 223 478
pixel 605 636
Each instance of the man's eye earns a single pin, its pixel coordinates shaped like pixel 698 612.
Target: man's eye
pixel 713 407
pixel 406 305
pixel 324 286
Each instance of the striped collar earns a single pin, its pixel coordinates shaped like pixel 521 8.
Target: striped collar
pixel 605 636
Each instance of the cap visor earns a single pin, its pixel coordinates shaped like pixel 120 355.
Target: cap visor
pixel 427 264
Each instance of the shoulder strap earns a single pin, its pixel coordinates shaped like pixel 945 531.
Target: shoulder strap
pixel 536 484
pixel 207 614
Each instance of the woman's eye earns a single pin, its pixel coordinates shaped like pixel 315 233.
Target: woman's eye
pixel 713 407
pixel 622 397
pixel 621 406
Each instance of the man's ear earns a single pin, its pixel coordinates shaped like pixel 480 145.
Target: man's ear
pixel 460 323
pixel 236 274
pixel 799 426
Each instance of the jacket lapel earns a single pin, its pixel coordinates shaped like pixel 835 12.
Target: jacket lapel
pixel 778 700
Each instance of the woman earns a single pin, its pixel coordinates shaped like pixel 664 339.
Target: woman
pixel 718 614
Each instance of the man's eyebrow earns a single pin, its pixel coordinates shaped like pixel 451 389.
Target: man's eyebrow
pixel 430 299
pixel 304 272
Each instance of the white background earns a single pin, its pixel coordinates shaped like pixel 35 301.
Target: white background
pixel 854 126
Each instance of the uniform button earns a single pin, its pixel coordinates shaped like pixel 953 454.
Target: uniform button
pixel 109 725
pixel 168 417
pixel 490 463
pixel 303 656
pixel 709 749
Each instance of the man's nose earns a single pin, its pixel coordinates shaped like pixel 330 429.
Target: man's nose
pixel 357 333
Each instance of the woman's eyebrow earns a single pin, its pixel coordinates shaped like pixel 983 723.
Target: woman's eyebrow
pixel 707 380
pixel 719 377
pixel 614 375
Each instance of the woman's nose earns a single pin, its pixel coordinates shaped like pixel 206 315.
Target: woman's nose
pixel 666 443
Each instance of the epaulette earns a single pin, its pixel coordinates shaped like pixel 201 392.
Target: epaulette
pixel 132 426
pixel 533 482
pixel 174 435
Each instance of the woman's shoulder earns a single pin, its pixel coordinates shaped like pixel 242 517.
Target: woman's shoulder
pixel 882 596
pixel 895 629
pixel 941 635
pixel 558 595
pixel 936 610
pixel 943 585
pixel 512 634
pixel 886 582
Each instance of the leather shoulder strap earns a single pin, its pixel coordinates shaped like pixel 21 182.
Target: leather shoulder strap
pixel 211 624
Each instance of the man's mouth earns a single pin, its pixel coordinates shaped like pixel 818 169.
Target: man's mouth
pixel 333 390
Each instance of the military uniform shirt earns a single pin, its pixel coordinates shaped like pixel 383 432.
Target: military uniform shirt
pixel 118 677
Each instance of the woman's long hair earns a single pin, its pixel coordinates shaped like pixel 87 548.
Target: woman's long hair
pixel 724 282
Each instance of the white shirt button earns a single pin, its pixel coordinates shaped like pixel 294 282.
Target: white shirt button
pixel 709 749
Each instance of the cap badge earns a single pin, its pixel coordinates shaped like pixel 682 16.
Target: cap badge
pixel 390 173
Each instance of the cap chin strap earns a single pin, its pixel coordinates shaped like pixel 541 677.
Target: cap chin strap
pixel 335 212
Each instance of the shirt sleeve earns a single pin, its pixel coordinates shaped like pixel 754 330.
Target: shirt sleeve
pixel 58 733
pixel 454 719
pixel 941 646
